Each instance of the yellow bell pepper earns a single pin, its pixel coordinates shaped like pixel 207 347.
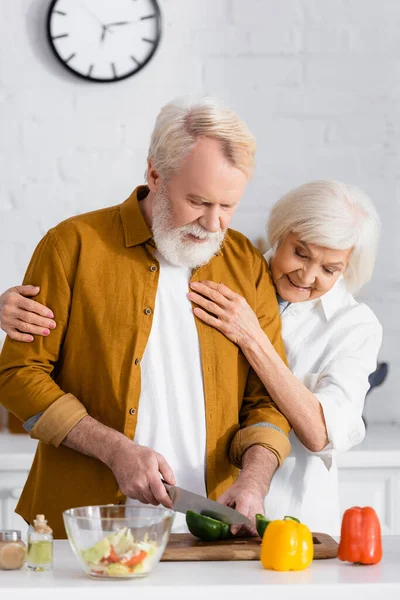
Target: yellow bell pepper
pixel 287 546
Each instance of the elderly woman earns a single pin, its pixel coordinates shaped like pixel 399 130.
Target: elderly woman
pixel 323 238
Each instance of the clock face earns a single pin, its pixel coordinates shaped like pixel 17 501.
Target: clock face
pixel 104 40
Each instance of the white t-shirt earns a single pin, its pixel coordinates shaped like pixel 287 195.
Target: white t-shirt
pixel 331 346
pixel 171 417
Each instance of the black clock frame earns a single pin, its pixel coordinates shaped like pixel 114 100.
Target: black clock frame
pixel 95 79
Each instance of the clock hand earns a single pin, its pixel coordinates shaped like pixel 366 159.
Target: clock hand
pixel 103 27
pixel 104 31
pixel 118 23
pixel 134 21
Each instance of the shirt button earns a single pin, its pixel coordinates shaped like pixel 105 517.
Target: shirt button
pixel 132 411
pixel 137 361
pixel 147 311
pixel 153 268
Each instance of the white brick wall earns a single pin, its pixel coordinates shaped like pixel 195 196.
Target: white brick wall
pixel 317 81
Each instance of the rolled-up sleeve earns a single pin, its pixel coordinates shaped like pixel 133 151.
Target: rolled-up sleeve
pixel 58 420
pixel 261 422
pixel 342 385
pixel 262 434
pixel 27 385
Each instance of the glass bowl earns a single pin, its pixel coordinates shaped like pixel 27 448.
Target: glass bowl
pixel 118 541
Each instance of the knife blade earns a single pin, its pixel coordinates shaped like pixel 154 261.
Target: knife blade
pixel 183 500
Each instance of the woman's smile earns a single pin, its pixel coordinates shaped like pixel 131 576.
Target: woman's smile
pixel 298 287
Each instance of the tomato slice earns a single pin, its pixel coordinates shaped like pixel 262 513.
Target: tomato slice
pixel 112 557
pixel 135 560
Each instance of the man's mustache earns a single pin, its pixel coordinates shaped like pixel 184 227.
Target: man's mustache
pixel 201 233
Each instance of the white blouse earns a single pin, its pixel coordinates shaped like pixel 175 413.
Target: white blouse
pixel 332 344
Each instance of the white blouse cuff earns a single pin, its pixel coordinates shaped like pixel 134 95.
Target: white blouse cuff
pixel 326 455
pixel 345 428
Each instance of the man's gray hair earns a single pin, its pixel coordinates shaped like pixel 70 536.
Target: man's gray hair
pixel 334 215
pixel 182 121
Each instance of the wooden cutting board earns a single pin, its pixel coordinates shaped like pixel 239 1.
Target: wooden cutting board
pixel 185 547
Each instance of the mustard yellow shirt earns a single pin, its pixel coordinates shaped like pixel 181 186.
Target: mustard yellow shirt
pixel 98 274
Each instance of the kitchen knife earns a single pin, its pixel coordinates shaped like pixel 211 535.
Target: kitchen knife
pixel 183 500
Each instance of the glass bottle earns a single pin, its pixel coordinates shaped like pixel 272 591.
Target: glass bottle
pixel 40 545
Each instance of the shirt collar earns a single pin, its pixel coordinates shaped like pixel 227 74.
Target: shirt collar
pixel 136 230
pixel 330 302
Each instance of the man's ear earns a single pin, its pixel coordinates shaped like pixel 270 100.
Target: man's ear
pixel 153 177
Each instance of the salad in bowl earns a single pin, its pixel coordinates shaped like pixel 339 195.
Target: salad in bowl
pixel 114 541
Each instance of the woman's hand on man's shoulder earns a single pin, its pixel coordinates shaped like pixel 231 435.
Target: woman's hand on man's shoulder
pixel 21 317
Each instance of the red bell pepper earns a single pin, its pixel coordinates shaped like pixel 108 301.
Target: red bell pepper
pixel 360 539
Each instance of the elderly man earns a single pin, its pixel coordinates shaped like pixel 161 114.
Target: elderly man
pixel 130 385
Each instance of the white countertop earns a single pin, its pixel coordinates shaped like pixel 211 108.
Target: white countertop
pixel 380 448
pixel 325 579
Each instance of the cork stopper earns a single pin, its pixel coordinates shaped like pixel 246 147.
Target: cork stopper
pixel 40 525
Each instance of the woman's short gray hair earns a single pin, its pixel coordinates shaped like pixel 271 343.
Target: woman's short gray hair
pixel 334 215
pixel 182 121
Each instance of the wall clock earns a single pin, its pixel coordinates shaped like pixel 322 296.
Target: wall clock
pixel 104 40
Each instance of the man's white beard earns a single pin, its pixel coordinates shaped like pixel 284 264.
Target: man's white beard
pixel 171 241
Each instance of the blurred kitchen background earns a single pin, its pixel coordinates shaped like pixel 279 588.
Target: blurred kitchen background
pixel 318 82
